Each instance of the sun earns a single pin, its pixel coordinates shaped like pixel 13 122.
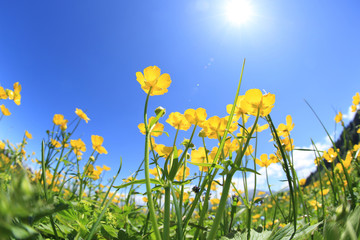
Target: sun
pixel 239 12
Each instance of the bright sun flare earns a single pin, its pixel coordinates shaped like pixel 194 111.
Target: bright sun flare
pixel 239 12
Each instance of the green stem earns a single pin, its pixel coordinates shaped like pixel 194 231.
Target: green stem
pixel 166 233
pixel 147 174
pixel 221 208
pixel 272 196
pixel 287 170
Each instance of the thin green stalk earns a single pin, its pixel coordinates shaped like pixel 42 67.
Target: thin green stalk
pixel 287 170
pixel 166 232
pixel 178 213
pixel 147 174
pixel 353 197
pixel 45 187
pixel 221 207
pixel 272 196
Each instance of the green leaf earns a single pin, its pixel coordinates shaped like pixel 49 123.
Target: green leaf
pixel 207 165
pixel 244 169
pixel 108 231
pixel 253 235
pixel 141 181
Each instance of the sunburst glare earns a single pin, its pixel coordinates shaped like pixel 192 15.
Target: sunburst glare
pixel 239 12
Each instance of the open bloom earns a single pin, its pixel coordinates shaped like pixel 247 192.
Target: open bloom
pixel 59 120
pixel 181 175
pixel 17 96
pixel 154 81
pixel 3 94
pixel 284 130
pixel 338 117
pixel 178 121
pixel 197 116
pixel 356 99
pixel 55 143
pixel 78 147
pixel 330 155
pixel 302 181
pixel 28 135
pixel 82 115
pixel 215 126
pixel 165 151
pixel 157 130
pixel 4 110
pixel 254 101
pixel 264 160
pixel 97 142
pixel 199 156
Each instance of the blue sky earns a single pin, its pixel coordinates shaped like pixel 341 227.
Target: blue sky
pixel 84 54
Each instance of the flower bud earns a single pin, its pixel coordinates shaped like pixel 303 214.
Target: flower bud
pixel 160 110
pixel 202 133
pixel 187 142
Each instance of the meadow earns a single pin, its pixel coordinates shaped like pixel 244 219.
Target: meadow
pixel 65 196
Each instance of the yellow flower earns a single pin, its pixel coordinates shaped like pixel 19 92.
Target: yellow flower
pixel 82 115
pixel 3 94
pixel 95 174
pixel 157 130
pixel 28 135
pixel 199 156
pixel 239 109
pixel 259 128
pixel 154 172
pixel 273 158
pixel 164 151
pixel 2 145
pixel 215 126
pixel 55 143
pixel 197 116
pixel 284 130
pixel 213 186
pixel 78 147
pixel 254 101
pixel 230 146
pixel 152 79
pixel 325 191
pixel 178 121
pixel 106 168
pixel 348 159
pixel 302 182
pixel 145 199
pixel 261 193
pixel 317 161
pixel 214 201
pixel 338 117
pixel 356 99
pixel 59 120
pixel 256 216
pixel 180 174
pixel 4 110
pixel 330 155
pixel 249 150
pixel 288 144
pixel 264 160
pixel 17 96
pixel 185 196
pixel 353 108
pixel 97 141
pixel 10 94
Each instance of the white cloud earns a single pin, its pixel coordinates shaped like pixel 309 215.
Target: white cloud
pixel 304 160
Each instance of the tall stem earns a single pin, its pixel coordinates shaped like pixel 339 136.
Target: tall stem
pixel 147 174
